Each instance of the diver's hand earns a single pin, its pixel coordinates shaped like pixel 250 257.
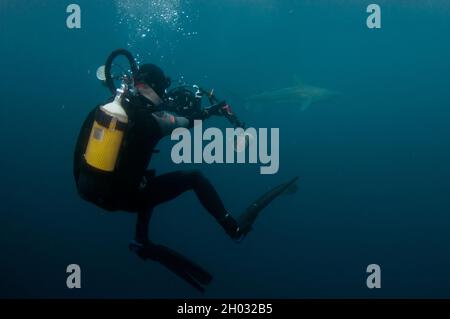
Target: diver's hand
pixel 217 109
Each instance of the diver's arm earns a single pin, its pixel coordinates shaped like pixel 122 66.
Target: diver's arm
pixel 168 122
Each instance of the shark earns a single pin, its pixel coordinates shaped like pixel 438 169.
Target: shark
pixel 301 95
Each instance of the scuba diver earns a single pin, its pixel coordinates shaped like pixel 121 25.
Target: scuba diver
pixel 116 144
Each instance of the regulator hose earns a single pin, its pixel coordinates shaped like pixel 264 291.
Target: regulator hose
pixel 108 65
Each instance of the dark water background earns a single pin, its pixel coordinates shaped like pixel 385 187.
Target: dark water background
pixel 374 163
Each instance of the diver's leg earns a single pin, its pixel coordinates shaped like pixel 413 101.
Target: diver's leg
pixel 142 223
pixel 169 186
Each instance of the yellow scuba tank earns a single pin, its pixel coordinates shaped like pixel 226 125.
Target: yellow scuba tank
pixel 107 134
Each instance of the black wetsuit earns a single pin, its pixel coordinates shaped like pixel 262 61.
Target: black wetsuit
pixel 133 187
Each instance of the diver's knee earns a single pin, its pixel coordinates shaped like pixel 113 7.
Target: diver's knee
pixel 195 176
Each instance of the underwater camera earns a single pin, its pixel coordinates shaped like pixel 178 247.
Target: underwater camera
pixel 183 101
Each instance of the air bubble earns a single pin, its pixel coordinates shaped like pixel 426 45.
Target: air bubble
pixel 163 15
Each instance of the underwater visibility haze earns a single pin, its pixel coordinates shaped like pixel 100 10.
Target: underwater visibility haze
pixel 363 117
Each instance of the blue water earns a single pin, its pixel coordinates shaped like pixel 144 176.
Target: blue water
pixel 373 162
